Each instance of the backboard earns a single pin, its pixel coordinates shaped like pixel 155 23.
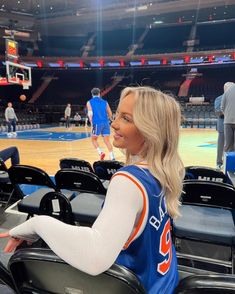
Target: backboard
pixel 18 74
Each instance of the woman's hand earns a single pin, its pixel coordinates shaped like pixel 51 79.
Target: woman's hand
pixel 12 243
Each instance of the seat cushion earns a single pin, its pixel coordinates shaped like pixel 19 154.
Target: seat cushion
pixel 205 224
pixel 86 207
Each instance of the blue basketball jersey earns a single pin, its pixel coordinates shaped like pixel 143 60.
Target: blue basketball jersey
pixel 99 109
pixel 151 256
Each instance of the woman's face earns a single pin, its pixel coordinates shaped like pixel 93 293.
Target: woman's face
pixel 126 134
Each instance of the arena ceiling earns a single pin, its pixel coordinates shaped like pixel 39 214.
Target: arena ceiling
pixel 78 17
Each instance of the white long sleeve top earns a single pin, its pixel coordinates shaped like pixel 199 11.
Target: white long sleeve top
pixel 92 250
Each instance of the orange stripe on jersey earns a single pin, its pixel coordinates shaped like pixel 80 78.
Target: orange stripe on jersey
pixel 143 211
pixel 139 163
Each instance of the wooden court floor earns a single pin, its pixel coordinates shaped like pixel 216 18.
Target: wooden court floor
pixel 196 148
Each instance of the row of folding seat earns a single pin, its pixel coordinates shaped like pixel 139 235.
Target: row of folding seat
pixel 20 127
pixel 39 270
pixel 199 122
pixel 204 235
pixel 104 169
pixel 75 175
pixel 207 196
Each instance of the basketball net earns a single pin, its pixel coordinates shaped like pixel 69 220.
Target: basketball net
pixel 25 87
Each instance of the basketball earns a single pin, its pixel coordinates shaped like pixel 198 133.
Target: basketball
pixel 22 97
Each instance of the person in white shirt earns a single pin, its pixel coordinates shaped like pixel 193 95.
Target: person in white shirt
pixel 77 119
pixel 67 114
pixel 11 120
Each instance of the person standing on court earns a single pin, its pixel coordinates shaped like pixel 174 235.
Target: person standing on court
pixel 220 130
pixel 67 114
pixel 99 113
pixel 228 108
pixel 11 120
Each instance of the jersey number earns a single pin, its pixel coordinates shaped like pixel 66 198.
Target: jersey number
pixel 165 249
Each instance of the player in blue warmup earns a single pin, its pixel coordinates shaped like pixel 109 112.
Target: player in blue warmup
pixel 99 114
pixel 134 226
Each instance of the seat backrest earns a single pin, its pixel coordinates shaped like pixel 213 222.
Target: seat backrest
pixel 211 194
pixel 75 163
pixel 203 173
pixel 207 284
pixel 5 278
pixel 55 204
pixel 105 169
pixel 30 175
pixel 41 271
pixel 79 181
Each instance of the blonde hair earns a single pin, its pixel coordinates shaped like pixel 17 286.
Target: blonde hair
pixel 157 116
pixel 228 85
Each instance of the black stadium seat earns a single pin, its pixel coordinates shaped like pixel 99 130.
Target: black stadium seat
pixel 40 182
pixel 88 204
pixel 205 233
pixel 204 173
pixel 79 181
pixel 40 271
pixel 207 284
pixel 206 193
pixel 33 176
pixel 6 279
pixel 75 163
pixel 105 169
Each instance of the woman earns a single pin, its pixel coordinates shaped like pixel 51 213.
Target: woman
pixel 133 228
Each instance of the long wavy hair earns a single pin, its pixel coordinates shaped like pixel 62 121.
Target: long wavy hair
pixel 158 116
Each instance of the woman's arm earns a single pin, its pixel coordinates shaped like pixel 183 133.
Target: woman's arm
pixel 92 250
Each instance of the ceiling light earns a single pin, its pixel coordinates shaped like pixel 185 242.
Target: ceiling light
pixel 130 9
pixel 143 7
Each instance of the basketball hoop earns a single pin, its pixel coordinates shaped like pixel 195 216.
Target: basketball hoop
pixel 19 74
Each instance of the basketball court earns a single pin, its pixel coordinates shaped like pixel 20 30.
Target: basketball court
pixel 45 147
pixel 203 245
